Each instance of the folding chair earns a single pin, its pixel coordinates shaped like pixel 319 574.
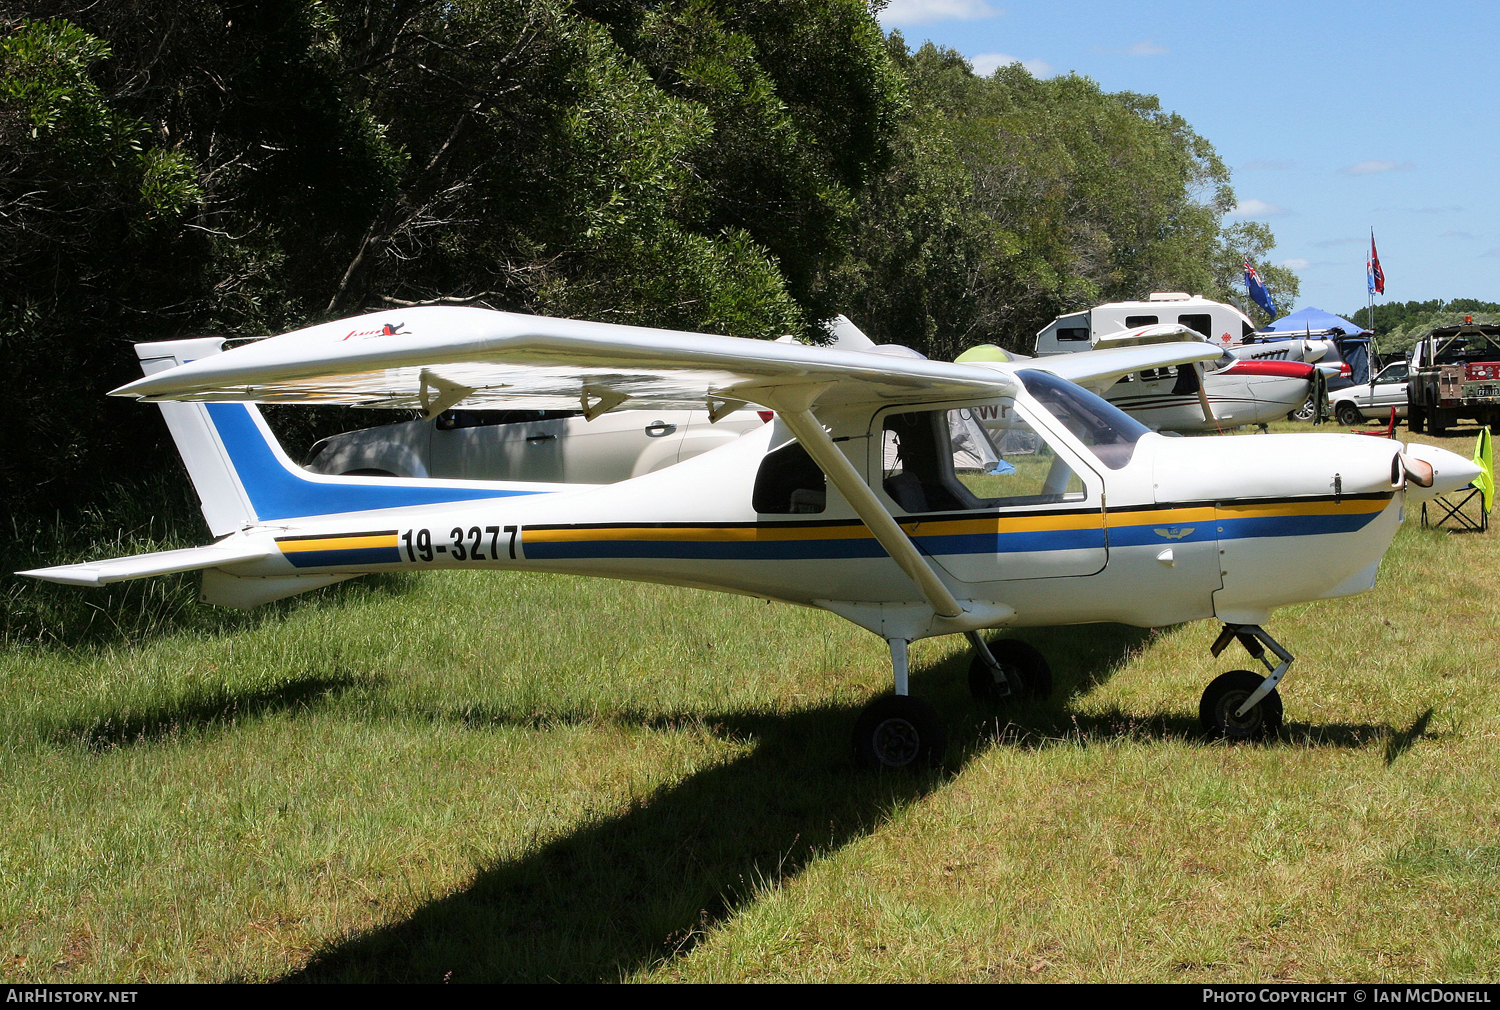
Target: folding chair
pixel 1386 432
pixel 1452 504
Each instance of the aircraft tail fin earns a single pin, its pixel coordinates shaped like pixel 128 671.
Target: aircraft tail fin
pixel 225 502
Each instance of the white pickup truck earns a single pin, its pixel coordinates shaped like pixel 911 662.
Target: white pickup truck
pixel 1371 400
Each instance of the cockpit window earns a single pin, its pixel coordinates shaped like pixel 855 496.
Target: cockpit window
pixel 950 460
pixel 1104 428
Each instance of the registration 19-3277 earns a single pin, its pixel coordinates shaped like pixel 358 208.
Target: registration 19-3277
pixel 477 543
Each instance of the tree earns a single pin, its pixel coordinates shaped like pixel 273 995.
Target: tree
pixel 1011 200
pixel 187 167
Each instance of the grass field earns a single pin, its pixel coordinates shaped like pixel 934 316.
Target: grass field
pixel 516 777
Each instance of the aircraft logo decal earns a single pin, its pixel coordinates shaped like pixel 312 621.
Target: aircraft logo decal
pixel 1174 532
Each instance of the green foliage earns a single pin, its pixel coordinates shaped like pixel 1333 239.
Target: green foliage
pixel 183 167
pixel 1011 199
pixel 1399 325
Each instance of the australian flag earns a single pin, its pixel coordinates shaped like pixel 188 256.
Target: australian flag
pixel 1257 289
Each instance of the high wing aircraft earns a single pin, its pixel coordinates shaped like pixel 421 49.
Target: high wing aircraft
pixel 1226 392
pixel 848 501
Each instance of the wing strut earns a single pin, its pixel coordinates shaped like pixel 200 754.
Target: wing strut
pixel 858 494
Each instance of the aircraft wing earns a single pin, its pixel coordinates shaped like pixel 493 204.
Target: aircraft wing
pixel 1100 369
pixel 435 358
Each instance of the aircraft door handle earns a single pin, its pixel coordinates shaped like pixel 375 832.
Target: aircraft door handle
pixel 657 429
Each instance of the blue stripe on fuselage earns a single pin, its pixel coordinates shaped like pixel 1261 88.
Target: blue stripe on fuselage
pixel 279 493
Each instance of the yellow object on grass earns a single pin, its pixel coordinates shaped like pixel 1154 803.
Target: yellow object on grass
pixel 1484 457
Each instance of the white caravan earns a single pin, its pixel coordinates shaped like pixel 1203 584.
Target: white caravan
pixel 1220 324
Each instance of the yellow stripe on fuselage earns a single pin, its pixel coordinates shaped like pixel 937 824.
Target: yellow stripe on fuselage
pixel 1354 506
pixel 1039 522
pixel 337 543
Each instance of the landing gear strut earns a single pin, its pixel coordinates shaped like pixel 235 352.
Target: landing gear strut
pixel 897 730
pixel 1007 669
pixel 1241 705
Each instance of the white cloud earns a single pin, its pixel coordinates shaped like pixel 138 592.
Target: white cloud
pixel 1296 263
pixel 1147 48
pixel 1458 235
pixel 1375 167
pixel 987 63
pixel 1258 208
pixel 1269 165
pixel 922 12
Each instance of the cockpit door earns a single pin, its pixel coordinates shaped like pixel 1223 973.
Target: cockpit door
pixel 990 497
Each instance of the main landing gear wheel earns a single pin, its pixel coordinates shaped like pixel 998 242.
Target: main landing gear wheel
pixel 1306 412
pixel 898 731
pixel 1227 693
pixel 1022 664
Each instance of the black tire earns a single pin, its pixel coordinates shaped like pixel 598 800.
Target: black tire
pixel 1021 662
pixel 1306 412
pixel 1414 420
pixel 898 732
pixel 1348 415
pixel 1437 424
pixel 1227 693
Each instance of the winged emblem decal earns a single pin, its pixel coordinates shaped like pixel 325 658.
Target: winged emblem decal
pixel 1173 532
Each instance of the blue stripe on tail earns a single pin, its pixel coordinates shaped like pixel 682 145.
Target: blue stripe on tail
pixel 278 490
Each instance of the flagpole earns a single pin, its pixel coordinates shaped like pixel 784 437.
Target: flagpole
pixel 1370 289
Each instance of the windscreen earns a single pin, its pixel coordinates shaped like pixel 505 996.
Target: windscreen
pixel 1104 428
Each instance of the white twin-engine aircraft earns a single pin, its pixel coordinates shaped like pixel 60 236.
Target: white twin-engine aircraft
pixel 850 501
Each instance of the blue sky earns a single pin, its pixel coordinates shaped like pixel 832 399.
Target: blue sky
pixel 1334 117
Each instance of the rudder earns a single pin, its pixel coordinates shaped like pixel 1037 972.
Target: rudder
pixel 225 503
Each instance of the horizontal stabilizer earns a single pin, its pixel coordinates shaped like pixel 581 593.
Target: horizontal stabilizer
pixel 138 566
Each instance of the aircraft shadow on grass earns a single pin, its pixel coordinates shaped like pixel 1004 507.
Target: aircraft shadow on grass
pixel 643 887
pixel 215 709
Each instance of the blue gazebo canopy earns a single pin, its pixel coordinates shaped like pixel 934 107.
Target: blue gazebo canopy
pixel 1312 320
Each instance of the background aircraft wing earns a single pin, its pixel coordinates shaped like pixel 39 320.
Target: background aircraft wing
pixel 1098 370
pixel 436 358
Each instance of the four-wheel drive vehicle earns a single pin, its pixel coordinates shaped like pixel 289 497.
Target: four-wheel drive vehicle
pixel 1455 373
pixel 560 446
pixel 1368 400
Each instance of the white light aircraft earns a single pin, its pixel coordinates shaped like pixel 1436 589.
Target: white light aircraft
pixel 1225 393
pixel 849 501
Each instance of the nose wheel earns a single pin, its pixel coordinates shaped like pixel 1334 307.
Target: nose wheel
pixel 1241 705
pixel 1218 712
